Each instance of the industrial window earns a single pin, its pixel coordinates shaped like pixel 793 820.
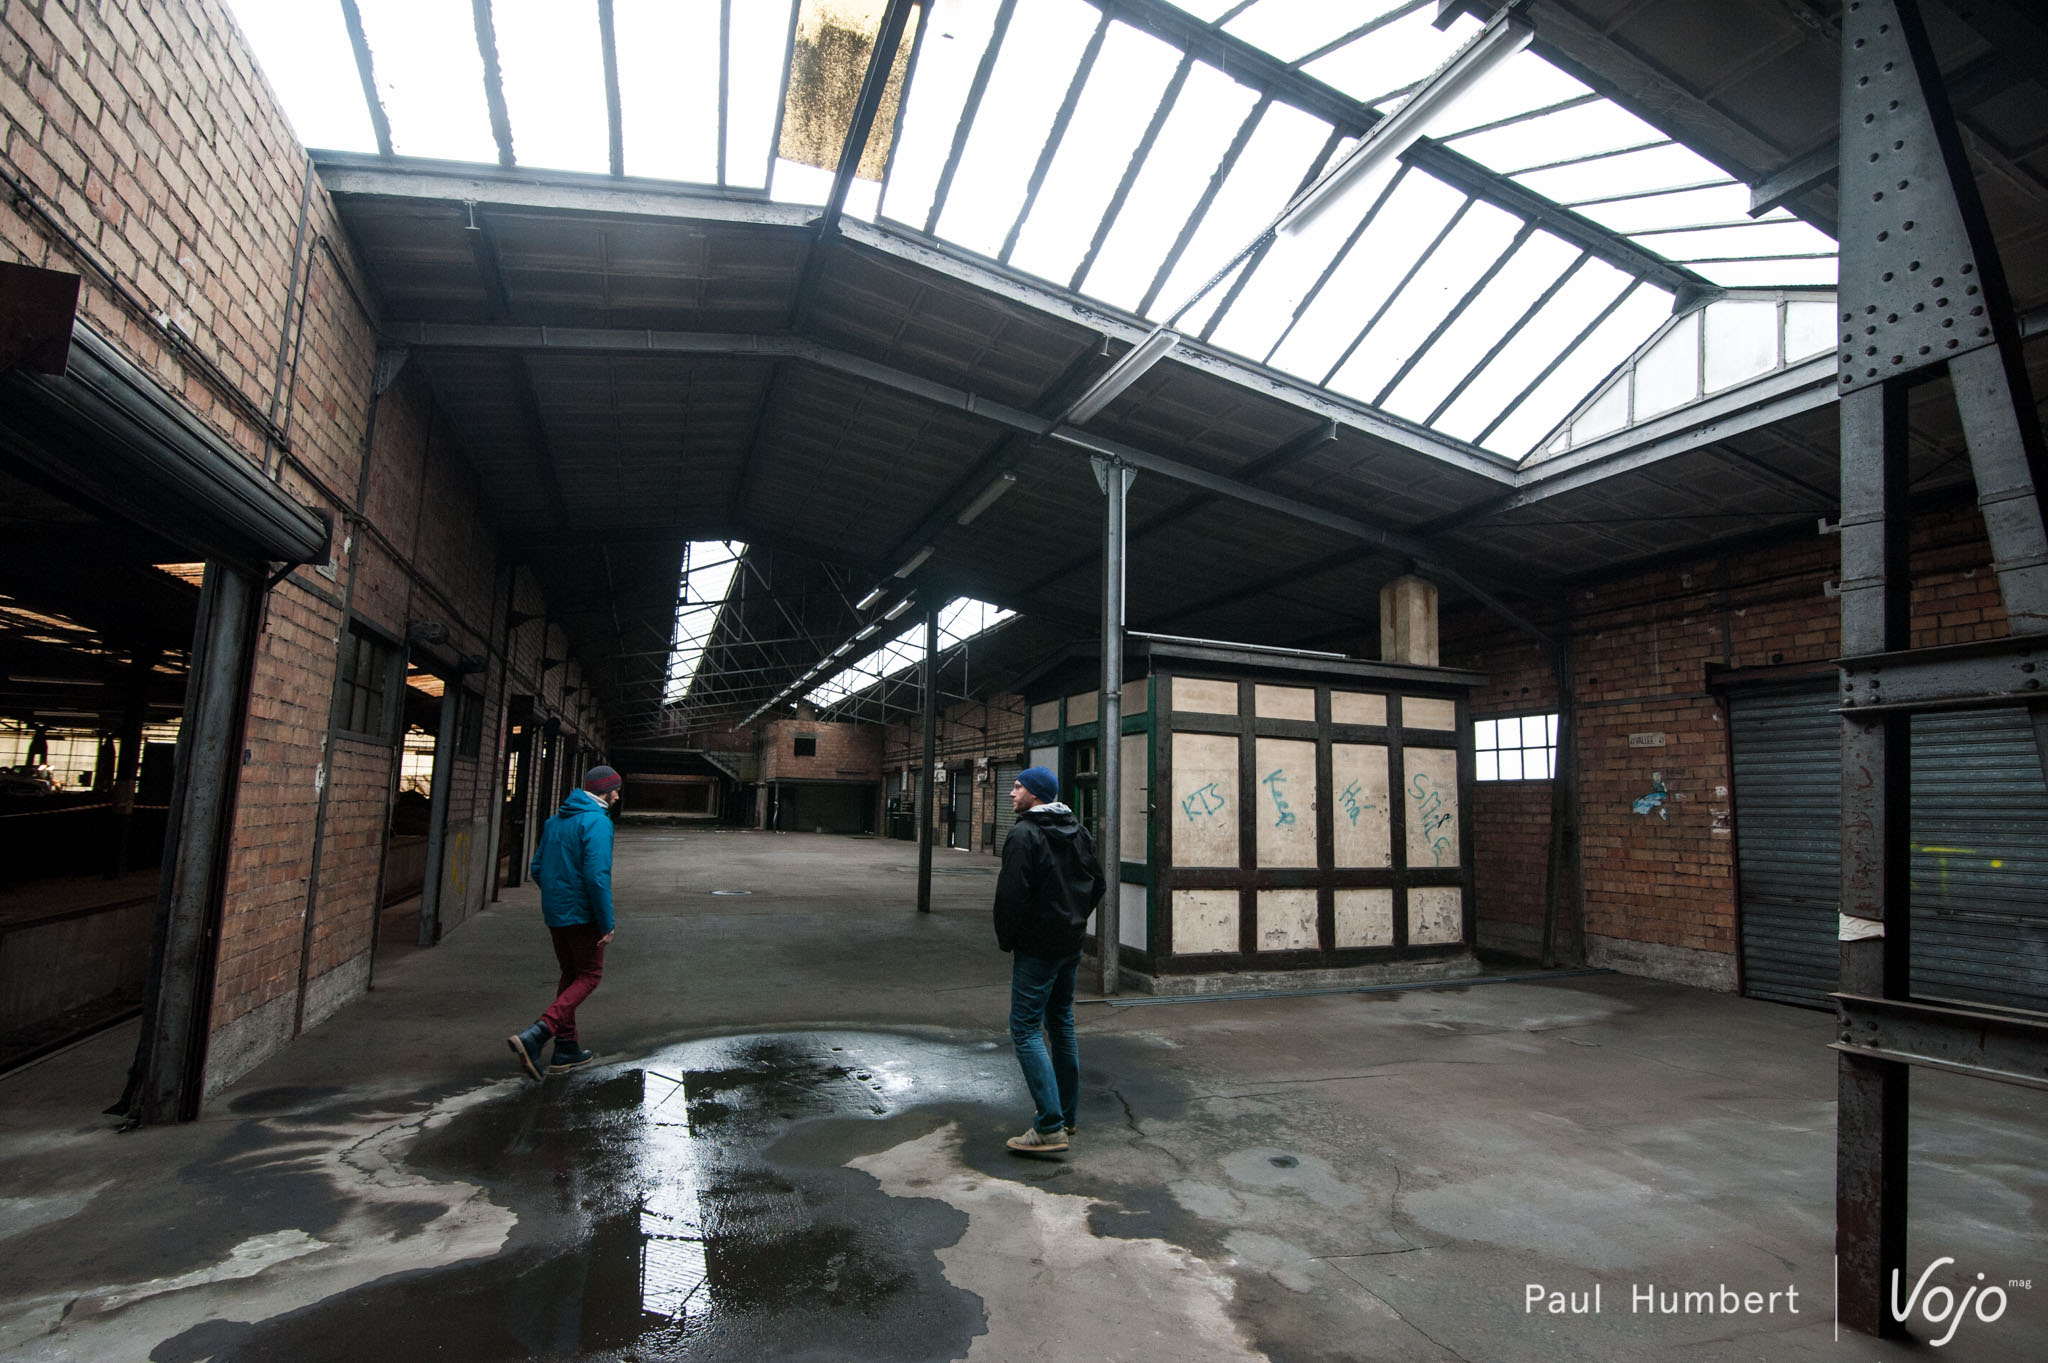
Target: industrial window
pixel 806 745
pixel 1517 748
pixel 469 724
pixel 367 682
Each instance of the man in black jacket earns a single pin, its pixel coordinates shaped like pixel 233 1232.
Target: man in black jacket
pixel 1050 882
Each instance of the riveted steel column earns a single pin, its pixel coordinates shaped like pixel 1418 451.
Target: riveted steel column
pixel 1871 1110
pixel 928 674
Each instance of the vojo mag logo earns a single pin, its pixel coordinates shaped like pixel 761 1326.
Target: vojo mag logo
pixel 1938 1305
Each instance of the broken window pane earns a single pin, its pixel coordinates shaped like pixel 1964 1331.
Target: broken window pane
pixel 554 86
pixel 760 40
pixel 952 50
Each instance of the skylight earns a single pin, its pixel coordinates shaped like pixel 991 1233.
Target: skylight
pixel 959 621
pixel 708 568
pixel 1103 156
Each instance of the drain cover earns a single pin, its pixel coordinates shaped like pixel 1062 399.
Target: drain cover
pixel 732 892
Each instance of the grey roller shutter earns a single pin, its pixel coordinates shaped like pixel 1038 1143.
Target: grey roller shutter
pixel 1787 748
pixel 1006 817
pixel 1979 861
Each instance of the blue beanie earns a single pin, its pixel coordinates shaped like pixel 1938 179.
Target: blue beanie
pixel 1041 782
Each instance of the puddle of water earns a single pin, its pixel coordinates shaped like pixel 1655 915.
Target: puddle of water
pixel 656 1222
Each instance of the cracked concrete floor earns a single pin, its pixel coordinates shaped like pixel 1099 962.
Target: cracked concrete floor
pixel 792 1149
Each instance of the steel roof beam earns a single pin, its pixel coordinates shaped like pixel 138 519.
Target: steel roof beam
pixel 615 121
pixel 494 80
pixel 589 340
pixel 380 123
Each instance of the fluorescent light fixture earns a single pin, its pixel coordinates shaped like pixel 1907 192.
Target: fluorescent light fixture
pixel 1123 374
pixel 866 632
pixel 898 608
pixel 55 681
pixel 916 561
pixel 841 651
pixel 1505 35
pixel 987 499
pixel 871 598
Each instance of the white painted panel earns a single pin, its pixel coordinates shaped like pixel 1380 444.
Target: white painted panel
pixel 1365 918
pixel 1354 707
pixel 1432 794
pixel 1436 914
pixel 1204 800
pixel 1131 906
pixel 1138 696
pixel 1286 810
pixel 1045 716
pixel 1049 758
pixel 1363 816
pixel 1284 702
pixel 1425 712
pixel 1202 697
pixel 1287 920
pixel 1136 780
pixel 1084 708
pixel 1204 921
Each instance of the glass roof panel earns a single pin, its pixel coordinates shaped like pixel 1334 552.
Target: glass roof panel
pixel 1772 272
pixel 430 78
pixel 1660 167
pixel 959 621
pixel 1741 342
pixel 1590 289
pixel 1578 131
pixel 1716 203
pixel 1208 11
pixel 1612 342
pixel 1131 75
pixel 1033 68
pixel 1206 116
pixel 760 50
pixel 668 87
pixel 1481 237
pixel 1419 209
pixel 1523 82
pixel 552 66
pixel 708 568
pixel 1668 375
pixel 1291 29
pixel 1392 58
pixel 322 97
pixel 1276 159
pixel 1809 329
pixel 1534 267
pixel 946 63
pixel 1748 240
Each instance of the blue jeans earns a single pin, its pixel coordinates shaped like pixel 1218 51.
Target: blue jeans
pixel 1042 1007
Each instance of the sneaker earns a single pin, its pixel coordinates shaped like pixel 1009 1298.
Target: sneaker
pixel 527 1045
pixel 569 1056
pixel 1036 1142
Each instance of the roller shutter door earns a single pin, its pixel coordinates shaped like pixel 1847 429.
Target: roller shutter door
pixel 1979 864
pixel 1788 840
pixel 1006 817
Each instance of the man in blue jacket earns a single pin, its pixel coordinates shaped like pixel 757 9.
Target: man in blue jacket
pixel 573 867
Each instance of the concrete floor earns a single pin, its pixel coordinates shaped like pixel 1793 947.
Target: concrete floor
pixel 791 1149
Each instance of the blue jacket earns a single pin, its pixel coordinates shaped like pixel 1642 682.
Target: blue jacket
pixel 573 864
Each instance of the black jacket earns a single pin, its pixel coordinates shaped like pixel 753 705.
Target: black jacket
pixel 1051 881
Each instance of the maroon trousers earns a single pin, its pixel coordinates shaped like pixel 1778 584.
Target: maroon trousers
pixel 581 954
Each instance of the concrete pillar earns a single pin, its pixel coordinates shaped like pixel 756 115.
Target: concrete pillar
pixel 1408 621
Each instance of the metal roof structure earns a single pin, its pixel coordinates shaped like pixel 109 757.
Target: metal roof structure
pixel 638 363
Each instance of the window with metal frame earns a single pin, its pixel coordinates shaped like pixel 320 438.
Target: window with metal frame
pixel 366 683
pixel 1515 748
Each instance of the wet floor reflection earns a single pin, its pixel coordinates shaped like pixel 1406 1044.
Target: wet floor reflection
pixel 664 1214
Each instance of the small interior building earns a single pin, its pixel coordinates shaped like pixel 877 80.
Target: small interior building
pixel 1559 479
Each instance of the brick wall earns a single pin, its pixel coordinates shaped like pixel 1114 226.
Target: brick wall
pixel 1660 892
pixel 845 752
pixel 969 734
pixel 153 160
